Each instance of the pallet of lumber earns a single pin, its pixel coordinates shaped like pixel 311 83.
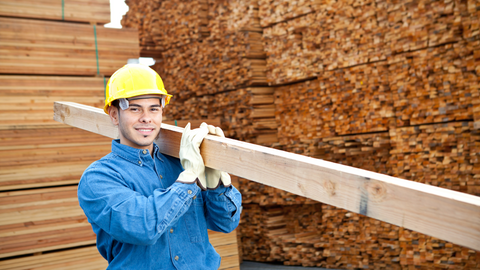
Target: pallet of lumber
pixel 272 12
pixel 40 220
pixel 26 101
pixel 425 252
pixel 87 258
pixel 42 157
pixel 341 34
pixel 246 113
pixel 444 155
pixel 164 25
pixel 436 84
pixel 168 24
pixel 60 48
pixel 67 10
pixel 212 66
pixel 340 102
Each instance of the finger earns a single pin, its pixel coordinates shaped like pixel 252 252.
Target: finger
pixel 219 132
pixel 211 130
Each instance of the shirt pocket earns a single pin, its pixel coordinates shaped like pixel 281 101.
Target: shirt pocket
pixel 195 221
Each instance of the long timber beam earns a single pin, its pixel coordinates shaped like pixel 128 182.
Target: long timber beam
pixel 445 214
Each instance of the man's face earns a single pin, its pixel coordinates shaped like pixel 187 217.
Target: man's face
pixel 139 125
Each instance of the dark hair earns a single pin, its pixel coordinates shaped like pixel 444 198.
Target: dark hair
pixel 116 104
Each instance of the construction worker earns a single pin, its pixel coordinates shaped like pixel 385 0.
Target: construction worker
pixel 150 210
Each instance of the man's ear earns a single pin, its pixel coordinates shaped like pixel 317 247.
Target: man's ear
pixel 113 113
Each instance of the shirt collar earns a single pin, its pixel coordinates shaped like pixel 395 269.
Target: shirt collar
pixel 131 154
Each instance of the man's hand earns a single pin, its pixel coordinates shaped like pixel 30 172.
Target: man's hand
pixel 214 177
pixel 190 156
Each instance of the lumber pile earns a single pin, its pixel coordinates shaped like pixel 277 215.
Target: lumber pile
pixel 211 58
pixel 43 157
pixel 69 10
pixel 26 101
pixel 61 48
pixel 70 259
pixel 247 113
pixel 444 155
pixel 49 54
pixel 344 101
pixel 347 33
pixel 435 85
pixel 42 219
pixel 272 12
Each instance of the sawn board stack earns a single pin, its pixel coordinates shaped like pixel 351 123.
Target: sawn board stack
pixel 51 52
pixel 211 58
pixel 390 87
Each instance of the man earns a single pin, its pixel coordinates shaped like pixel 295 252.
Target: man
pixel 150 210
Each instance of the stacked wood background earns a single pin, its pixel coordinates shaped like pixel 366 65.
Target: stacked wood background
pixel 211 58
pixel 387 86
pixel 41 161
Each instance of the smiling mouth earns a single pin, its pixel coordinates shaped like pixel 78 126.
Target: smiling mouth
pixel 145 131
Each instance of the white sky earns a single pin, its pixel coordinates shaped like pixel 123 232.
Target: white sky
pixel 117 9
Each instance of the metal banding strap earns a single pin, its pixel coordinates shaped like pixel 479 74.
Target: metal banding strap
pixel 63 10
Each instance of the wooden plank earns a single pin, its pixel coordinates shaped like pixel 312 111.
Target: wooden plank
pixel 76 10
pixel 30 46
pixel 438 212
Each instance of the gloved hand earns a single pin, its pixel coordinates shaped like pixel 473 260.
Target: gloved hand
pixel 214 177
pixel 190 157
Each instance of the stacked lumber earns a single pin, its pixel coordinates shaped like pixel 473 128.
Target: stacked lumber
pixel 32 158
pixel 61 48
pixel 212 66
pixel 425 252
pixel 345 101
pixel 272 12
pixel 345 33
pixel 164 25
pixel 444 155
pixel 352 241
pixel 70 10
pixel 87 257
pixel 246 113
pixel 42 219
pixel 435 85
pixel 268 233
pixel 27 101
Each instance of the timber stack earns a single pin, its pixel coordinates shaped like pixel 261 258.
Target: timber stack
pixel 386 86
pixel 51 52
pixel 211 58
pixel 390 87
pixel 54 52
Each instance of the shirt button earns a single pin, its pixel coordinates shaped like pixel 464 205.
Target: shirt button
pixel 194 197
pixel 139 162
pixel 144 152
pixel 161 176
pixel 189 192
pixel 171 230
pixel 176 258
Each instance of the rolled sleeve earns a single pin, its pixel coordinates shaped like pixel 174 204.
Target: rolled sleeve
pixel 224 206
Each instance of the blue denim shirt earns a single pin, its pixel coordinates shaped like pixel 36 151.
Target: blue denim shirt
pixel 143 219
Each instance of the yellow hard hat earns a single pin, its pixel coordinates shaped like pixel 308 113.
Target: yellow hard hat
pixel 134 80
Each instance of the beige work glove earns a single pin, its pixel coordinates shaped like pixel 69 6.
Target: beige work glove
pixel 214 177
pixel 192 161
